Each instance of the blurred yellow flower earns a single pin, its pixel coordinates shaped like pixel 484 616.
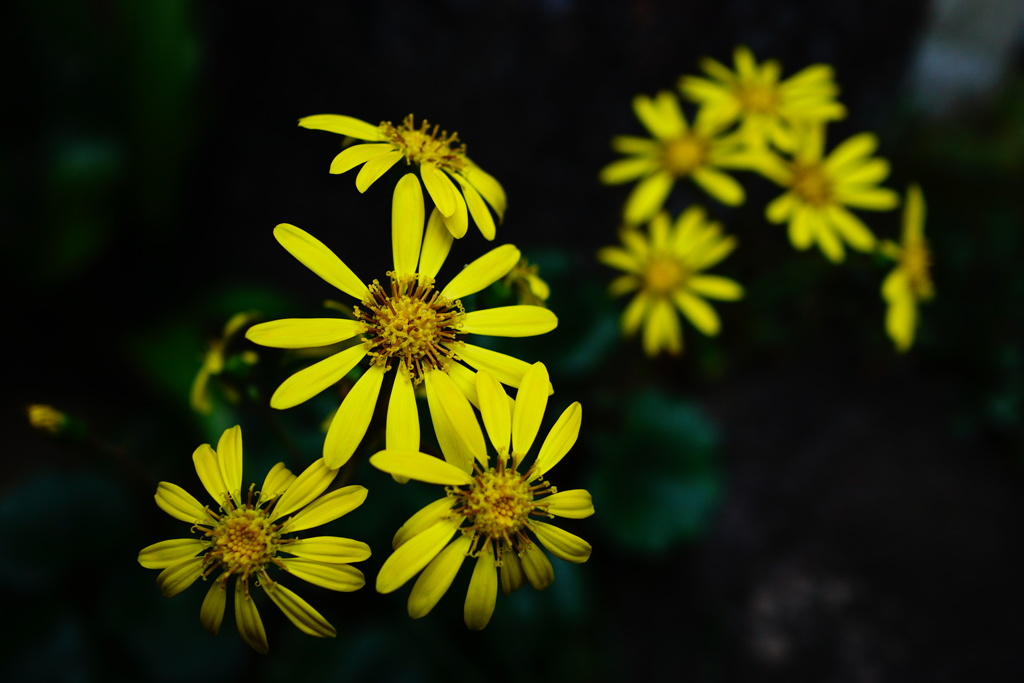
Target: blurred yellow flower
pixel 46 418
pixel 531 288
pixel 408 324
pixel 910 282
pixel 766 108
pixel 252 531
pixel 214 361
pixel 490 508
pixel 440 157
pixel 677 151
pixel 666 267
pixel 818 190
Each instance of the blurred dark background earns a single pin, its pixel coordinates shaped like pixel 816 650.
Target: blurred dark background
pixel 791 500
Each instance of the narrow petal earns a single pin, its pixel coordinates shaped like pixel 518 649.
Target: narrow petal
pixel 373 169
pixel 336 577
pixel 698 312
pixel 402 431
pixel 662 329
pixel 781 208
pixel 561 543
pixel 478 210
pixel 437 577
pixel 508 369
pixel 299 612
pixel 494 409
pixel 654 119
pixel 458 223
pixel 624 284
pixel 800 228
pixel 627 170
pixel 511 574
pixel 326 508
pixel 413 555
pixel 851 150
pixel 722 187
pixel 308 382
pixel 483 591
pixel 827 238
pixel 179 503
pixel 177 577
pixel 421 467
pixel 510 321
pixel 913 214
pixel 488 187
pixel 716 287
pixel 313 481
pixel 229 459
pixel 537 567
pixel 483 272
pixel 870 198
pixel 571 504
pixel 211 614
pixel 631 144
pixel 166 553
pixel 870 172
pixel 329 549
pixel 355 155
pixel 455 425
pixel 247 618
pixel 407 224
pixel 901 322
pixel 312 253
pixel 426 517
pixel 852 229
pixel 353 418
pixel 531 401
pixel 617 257
pixel 440 188
pixel 437 242
pixel 648 197
pixel 342 125
pixel 635 313
pixel 303 333
pixel 559 440
pixel 208 469
pixel 279 478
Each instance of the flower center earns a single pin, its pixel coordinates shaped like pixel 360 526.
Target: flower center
pixel 758 98
pixel 424 145
pixel 812 183
pixel 664 274
pixel 498 504
pixel 915 260
pixel 410 322
pixel 684 154
pixel 242 541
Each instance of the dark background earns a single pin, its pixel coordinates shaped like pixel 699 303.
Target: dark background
pixel 792 500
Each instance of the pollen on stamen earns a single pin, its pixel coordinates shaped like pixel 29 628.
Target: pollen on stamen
pixel 425 144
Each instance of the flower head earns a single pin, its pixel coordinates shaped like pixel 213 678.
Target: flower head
pixel 440 157
pixel 910 282
pixel 767 109
pixel 665 266
pixel 819 188
pixel 252 534
pixel 216 359
pixel 678 150
pixel 490 508
pixel 46 418
pixel 407 324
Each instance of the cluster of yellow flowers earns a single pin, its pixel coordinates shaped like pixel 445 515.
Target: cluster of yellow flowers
pixel 749 119
pixel 416 328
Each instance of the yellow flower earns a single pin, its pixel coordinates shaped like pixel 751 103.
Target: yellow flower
pixel 666 268
pixel 767 109
pixel 46 418
pixel 441 158
pixel 214 362
pixel 910 282
pixel 406 323
pixel 818 190
pixel 252 531
pixel 490 508
pixel 531 288
pixel 677 151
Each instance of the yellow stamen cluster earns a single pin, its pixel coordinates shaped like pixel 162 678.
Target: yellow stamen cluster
pixel 664 274
pixel 812 183
pixel 684 154
pixel 758 98
pixel 424 145
pixel 411 322
pixel 243 541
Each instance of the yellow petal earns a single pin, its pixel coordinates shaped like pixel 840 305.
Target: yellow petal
pixel 507 369
pixel 571 504
pixel 299 612
pixel 648 197
pixel 402 431
pixel 248 621
pixel 211 614
pixel 180 504
pixel 353 418
pixel 616 257
pixel 722 187
pixel 662 329
pixel 635 313
pixel 537 567
pixel 559 440
pixel 488 187
pixel 698 312
pixel 483 591
pixel 437 577
pixel 458 223
pixel 208 469
pixel 870 172
pixel 336 577
pixel 437 242
pixel 167 553
pixel 511 573
pixel 303 333
pixel 312 253
pixel 800 228
pixel 870 198
pixel 177 577
pixel 913 214
pixel 440 188
pixel 313 481
pixel 510 321
pixel 329 549
pixel 827 239
pixel 477 209
pixel 852 150
pixel 852 229
pixel 531 400
pixel 421 467
pixel 229 459
pixel 426 517
pixel 630 144
pixel 279 478
pixel 407 224
pixel 415 554
pixel 661 121
pixel 326 508
pixel 716 287
pixel 455 425
pixel 373 169
pixel 483 272
pixel 561 543
pixel 308 382
pixel 352 156
pixel 627 170
pixel 901 322
pixel 494 409
pixel 342 125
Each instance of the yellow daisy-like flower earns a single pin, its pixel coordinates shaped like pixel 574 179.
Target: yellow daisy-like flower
pixel 441 158
pixel 677 151
pixel 490 507
pixel 910 282
pixel 531 288
pixel 767 109
pixel 666 267
pixel 250 533
pixel 407 323
pixel 214 362
pixel 819 188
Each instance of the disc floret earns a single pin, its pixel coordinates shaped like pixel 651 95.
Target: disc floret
pixel 426 144
pixel 242 541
